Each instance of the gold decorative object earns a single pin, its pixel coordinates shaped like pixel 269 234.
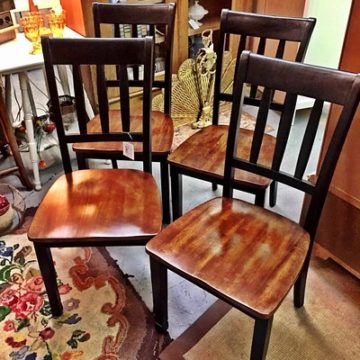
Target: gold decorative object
pixel 193 86
pixel 31 25
pixel 56 22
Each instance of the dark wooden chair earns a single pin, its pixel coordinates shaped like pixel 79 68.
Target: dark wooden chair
pixel 188 158
pixel 96 207
pixel 135 20
pixel 248 256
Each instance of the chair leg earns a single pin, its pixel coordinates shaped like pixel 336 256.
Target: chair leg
pixel 273 193
pixel 300 284
pixel 81 161
pixel 261 337
pixel 214 186
pixel 176 192
pixel 165 190
pixel 160 294
pixel 260 198
pixel 114 163
pixel 48 273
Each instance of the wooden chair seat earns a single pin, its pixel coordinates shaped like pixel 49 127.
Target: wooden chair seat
pixel 99 204
pixel 162 134
pixel 242 253
pixel 211 158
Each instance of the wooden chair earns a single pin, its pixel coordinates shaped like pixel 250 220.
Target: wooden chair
pixel 148 18
pixel 248 256
pixel 188 158
pixel 96 207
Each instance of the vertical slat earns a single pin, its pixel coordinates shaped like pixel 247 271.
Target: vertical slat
pixel 103 98
pixel 80 99
pixel 242 46
pixel 152 31
pixel 284 130
pixel 217 87
pixel 124 97
pixel 260 124
pixel 308 140
pixel 148 79
pixel 280 49
pixel 260 51
pixel 134 34
pixel 116 30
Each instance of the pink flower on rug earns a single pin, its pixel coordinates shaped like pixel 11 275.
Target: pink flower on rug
pixel 47 333
pixel 27 305
pixel 9 325
pixel 9 297
pixel 35 284
pixel 64 289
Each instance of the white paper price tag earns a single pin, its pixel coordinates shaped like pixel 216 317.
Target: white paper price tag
pixel 128 150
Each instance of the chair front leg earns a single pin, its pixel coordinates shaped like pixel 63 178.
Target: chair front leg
pixel 160 294
pixel 261 337
pixel 260 198
pixel 176 192
pixel 48 273
pixel 273 193
pixel 165 190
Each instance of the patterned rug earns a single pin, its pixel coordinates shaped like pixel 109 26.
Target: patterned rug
pixel 104 318
pixel 326 328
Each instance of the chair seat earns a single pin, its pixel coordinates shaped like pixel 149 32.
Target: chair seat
pixel 242 253
pixel 99 204
pixel 211 159
pixel 162 134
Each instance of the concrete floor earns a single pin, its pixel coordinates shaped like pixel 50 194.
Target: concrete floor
pixel 186 301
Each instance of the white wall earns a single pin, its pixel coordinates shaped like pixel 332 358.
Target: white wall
pixel 328 36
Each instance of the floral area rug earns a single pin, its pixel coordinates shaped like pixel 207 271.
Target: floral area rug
pixel 104 318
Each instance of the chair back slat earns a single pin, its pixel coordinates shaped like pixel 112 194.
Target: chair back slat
pixel 260 124
pixel 283 132
pixel 124 97
pixel 309 138
pixel 321 84
pixel 103 98
pixel 80 99
pixel 100 52
pixel 265 31
pixel 140 19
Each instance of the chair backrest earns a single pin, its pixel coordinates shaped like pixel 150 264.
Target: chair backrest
pixel 321 84
pixel 156 20
pixel 99 52
pixel 272 34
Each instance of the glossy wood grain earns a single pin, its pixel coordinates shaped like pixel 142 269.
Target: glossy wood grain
pixel 204 152
pixel 98 204
pixel 241 253
pixel 162 132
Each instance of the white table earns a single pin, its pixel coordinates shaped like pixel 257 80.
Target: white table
pixel 15 59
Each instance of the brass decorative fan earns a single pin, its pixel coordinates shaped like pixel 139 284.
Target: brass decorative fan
pixel 193 86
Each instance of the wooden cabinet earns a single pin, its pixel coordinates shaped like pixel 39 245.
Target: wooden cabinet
pixel 339 228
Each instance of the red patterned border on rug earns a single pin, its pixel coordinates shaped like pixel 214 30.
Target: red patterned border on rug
pixel 104 318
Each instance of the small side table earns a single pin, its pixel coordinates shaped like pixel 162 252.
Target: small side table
pixel 15 59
